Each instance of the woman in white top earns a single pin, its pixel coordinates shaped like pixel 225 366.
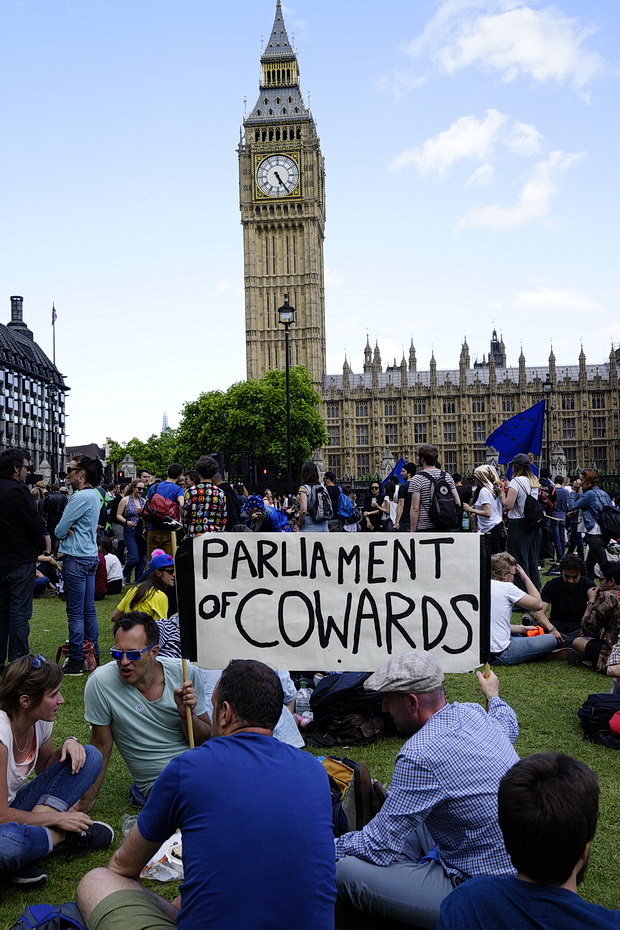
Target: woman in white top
pixel 37 815
pixel 486 504
pixel 509 645
pixel 523 542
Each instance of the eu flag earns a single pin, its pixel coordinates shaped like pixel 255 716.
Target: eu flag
pixel 521 433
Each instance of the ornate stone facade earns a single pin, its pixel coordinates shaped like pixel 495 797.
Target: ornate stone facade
pixel 378 415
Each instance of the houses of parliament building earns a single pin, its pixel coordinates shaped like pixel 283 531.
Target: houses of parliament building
pixel 375 416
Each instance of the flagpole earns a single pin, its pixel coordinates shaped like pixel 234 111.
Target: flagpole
pixel 54 334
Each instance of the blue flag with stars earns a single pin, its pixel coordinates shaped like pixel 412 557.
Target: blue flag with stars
pixel 521 433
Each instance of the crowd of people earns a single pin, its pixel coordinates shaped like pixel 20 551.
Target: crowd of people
pixel 468 832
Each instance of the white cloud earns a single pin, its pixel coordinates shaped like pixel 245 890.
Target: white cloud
pixel 523 139
pixel 534 200
pixel 468 137
pixel 551 300
pixel 481 175
pixel 224 285
pixel 510 38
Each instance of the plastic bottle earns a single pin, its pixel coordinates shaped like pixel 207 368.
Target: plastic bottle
pixel 465 522
pixel 302 701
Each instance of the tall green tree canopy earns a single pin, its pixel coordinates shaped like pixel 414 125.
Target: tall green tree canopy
pixel 252 415
pixel 155 454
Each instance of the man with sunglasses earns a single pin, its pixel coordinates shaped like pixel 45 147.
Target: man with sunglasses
pixel 22 533
pixel 138 701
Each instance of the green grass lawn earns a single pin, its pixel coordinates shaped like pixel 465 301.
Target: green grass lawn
pixel 545 696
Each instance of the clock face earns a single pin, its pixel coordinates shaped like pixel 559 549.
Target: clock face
pixel 277 176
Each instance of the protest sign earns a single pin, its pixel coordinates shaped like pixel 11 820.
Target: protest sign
pixel 337 602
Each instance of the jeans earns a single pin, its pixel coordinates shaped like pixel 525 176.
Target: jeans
pixel 79 580
pixel 410 890
pixel 596 553
pixel 559 538
pixel 16 593
pixel 575 540
pixel 526 649
pixel 134 558
pixel 523 544
pixel 57 788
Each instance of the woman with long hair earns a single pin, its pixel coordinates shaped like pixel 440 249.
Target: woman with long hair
pixel 77 530
pixel 309 482
pixel 149 595
pixel 128 514
pixel 37 815
pixel 375 508
pixel 590 500
pixel 523 542
pixel 486 504
pixel 510 644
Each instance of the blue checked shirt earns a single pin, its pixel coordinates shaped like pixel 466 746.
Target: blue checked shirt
pixel 446 776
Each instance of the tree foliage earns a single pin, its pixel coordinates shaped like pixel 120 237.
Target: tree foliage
pixel 251 416
pixel 156 454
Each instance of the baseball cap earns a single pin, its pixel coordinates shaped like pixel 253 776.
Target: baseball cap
pixel 162 561
pixel 415 671
pixel 521 459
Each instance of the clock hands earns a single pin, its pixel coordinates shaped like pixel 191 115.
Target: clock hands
pixel 280 181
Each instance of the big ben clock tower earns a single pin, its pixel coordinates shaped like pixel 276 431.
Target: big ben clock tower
pixel 282 199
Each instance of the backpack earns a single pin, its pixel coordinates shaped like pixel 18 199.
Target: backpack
pixel 344 710
pixel 50 917
pixel 90 657
pixel 160 511
pixel 442 512
pixel 595 715
pixel 348 511
pixel 356 795
pixel 609 521
pixel 320 508
pixel 533 512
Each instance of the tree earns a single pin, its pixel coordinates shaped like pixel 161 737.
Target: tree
pixel 156 454
pixel 251 416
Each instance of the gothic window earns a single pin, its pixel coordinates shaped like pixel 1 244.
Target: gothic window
pixel 257 132
pixel 300 209
pixel 598 401
pixel 284 135
pixel 449 432
pixel 568 402
pixel 599 454
pixel 477 405
pixel 449 461
pixel 508 404
pixel 277 100
pixel 598 427
pixel 361 435
pixel 277 135
pixel 297 111
pixel 257 211
pixel 361 408
pixel 298 133
pixel 334 463
pixel 284 109
pixel 266 101
pixel 449 406
pixel 419 407
pixel 568 428
pixel 333 410
pixel 391 434
pixel 363 464
pixel 479 432
pixel 389 408
pixel 270 131
pixel 419 433
pixel 333 435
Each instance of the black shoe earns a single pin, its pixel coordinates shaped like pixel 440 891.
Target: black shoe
pixel 31 875
pixel 574 658
pixel 73 668
pixel 98 836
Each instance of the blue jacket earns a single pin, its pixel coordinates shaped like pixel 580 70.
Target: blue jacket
pixel 591 503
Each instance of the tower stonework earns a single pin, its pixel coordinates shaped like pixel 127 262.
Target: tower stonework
pixel 282 201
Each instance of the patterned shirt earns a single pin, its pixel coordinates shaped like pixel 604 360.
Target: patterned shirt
pixel 204 510
pixel 446 776
pixel 422 486
pixel 602 621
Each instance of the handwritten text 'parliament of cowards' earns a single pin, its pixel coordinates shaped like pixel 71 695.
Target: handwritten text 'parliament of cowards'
pixel 334 601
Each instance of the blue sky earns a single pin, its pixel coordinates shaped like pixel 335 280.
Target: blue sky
pixel 471 152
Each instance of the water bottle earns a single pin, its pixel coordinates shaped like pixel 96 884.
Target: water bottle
pixel 302 701
pixel 465 522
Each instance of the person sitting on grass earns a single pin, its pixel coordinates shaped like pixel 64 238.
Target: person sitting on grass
pixel 600 626
pixel 510 644
pixel 37 816
pixel 548 807
pixel 149 595
pixel 569 595
pixel 243 802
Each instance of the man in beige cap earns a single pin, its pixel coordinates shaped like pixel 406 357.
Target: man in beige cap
pixel 438 826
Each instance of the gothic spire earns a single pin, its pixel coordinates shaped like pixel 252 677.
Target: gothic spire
pixel 278 45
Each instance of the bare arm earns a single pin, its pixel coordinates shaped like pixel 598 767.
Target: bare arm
pixel 101 737
pixel 540 616
pixel 483 511
pixel 400 506
pixel 510 499
pixel 131 857
pixel 415 510
pixel 185 696
pixel 303 507
pixel 531 599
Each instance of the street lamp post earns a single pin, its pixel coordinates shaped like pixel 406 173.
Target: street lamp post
pixel 547 389
pixel 287 317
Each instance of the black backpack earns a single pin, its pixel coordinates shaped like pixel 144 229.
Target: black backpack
pixel 345 712
pixel 442 512
pixel 595 714
pixel 609 521
pixel 50 917
pixel 320 508
pixel 533 511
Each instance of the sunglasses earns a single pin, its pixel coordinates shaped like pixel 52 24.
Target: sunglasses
pixel 133 655
pixel 70 468
pixel 140 489
pixel 168 571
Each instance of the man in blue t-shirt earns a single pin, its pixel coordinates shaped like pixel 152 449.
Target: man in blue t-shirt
pixel 255 815
pixel 548 810
pixel 158 537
